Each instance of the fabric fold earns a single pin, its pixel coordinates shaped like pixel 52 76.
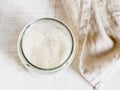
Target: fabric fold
pixel 98 23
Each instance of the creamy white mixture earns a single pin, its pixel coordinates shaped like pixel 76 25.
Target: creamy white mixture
pixel 47 44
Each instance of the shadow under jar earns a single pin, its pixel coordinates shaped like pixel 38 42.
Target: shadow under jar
pixel 46 46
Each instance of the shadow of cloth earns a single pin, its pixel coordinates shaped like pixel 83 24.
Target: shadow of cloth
pixel 10 28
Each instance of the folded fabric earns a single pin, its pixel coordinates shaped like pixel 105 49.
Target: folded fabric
pixel 98 22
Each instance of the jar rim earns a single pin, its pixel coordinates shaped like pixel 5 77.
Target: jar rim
pixel 34 66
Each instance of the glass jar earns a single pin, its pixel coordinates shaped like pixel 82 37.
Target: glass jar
pixel 43 71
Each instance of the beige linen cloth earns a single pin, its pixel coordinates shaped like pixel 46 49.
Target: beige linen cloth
pixel 98 23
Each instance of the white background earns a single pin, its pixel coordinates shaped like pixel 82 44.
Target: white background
pixel 14 15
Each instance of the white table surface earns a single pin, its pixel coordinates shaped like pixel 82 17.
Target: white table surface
pixel 14 15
